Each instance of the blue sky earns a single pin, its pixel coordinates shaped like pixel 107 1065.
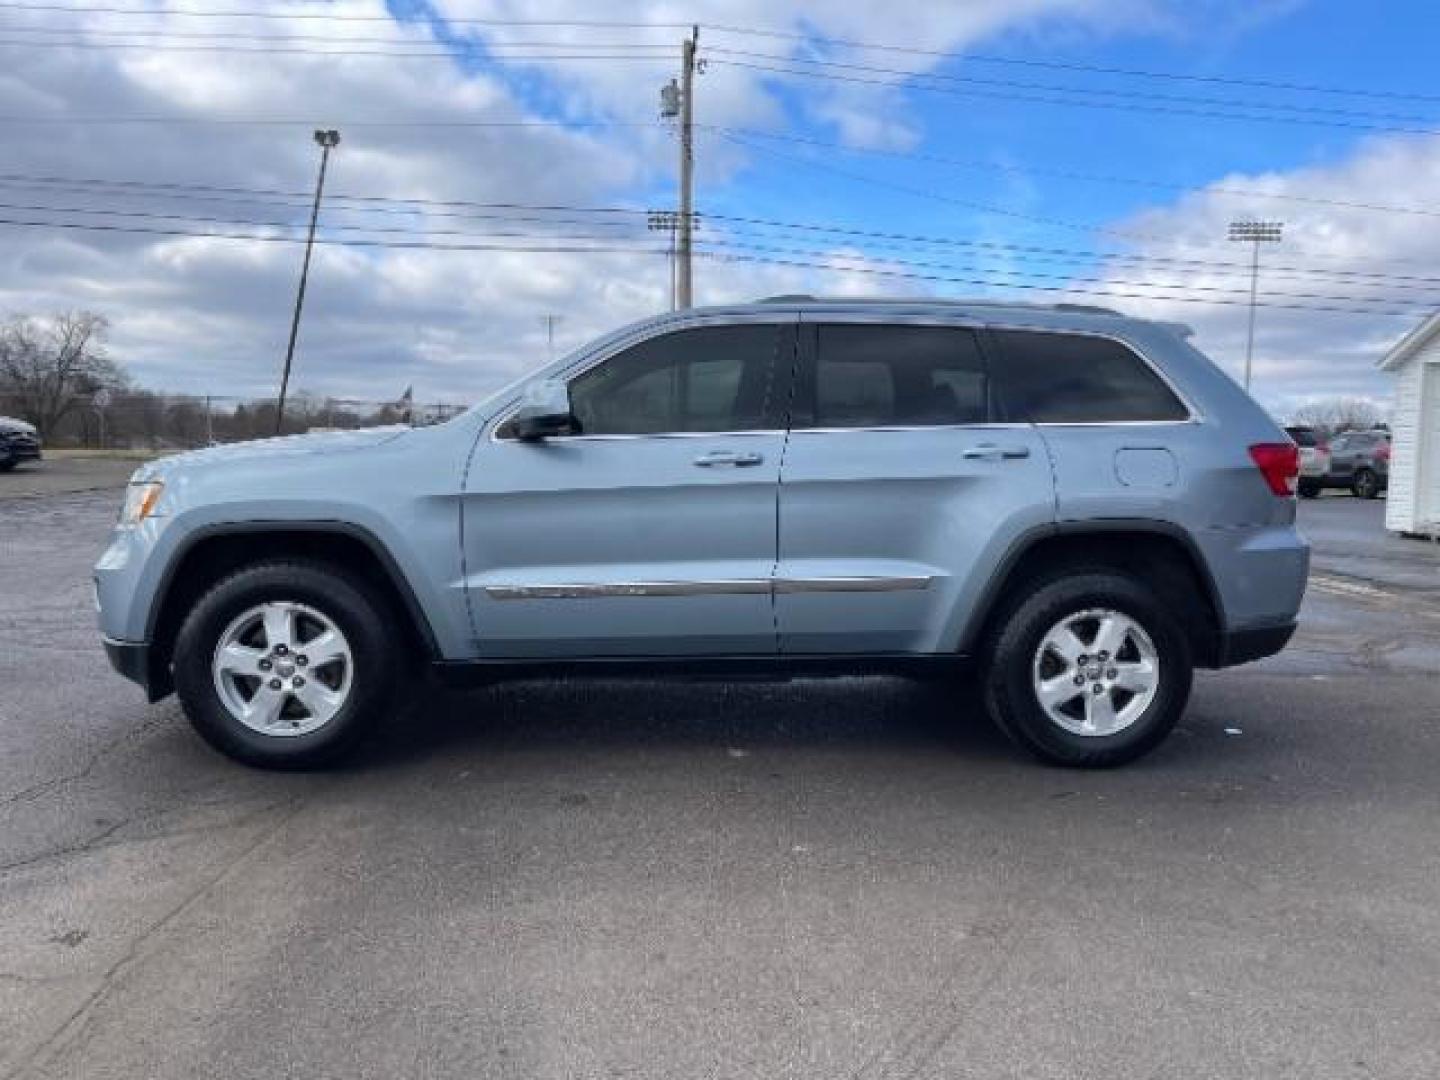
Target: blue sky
pixel 457 323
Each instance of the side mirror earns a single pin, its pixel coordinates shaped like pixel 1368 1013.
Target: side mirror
pixel 544 411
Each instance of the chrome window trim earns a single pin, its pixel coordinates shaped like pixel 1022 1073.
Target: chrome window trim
pixel 736 586
pixel 989 426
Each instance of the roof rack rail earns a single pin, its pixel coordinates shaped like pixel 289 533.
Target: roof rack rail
pixel 982 301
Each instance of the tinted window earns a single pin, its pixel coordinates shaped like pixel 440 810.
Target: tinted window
pixel 707 379
pixel 1074 378
pixel 887 376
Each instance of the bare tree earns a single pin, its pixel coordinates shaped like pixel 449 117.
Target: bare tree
pixel 1333 415
pixel 48 366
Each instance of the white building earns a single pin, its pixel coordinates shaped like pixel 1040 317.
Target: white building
pixel 1413 503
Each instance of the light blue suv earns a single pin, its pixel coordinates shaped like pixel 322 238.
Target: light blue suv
pixel 1080 502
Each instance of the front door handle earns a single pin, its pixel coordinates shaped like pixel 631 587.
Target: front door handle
pixel 729 457
pixel 992 452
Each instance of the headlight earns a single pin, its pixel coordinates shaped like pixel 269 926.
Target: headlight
pixel 140 500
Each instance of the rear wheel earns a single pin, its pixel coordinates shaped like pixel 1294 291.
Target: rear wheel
pixel 1088 670
pixel 1366 484
pixel 286 664
pixel 1309 489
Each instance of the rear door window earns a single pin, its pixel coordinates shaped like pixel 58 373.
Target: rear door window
pixel 1057 378
pixel 867 375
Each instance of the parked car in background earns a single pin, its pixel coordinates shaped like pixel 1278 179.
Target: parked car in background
pixel 18 442
pixel 1360 461
pixel 1079 504
pixel 1314 459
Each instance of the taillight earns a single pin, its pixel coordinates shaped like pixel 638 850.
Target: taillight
pixel 1323 447
pixel 1382 452
pixel 1279 463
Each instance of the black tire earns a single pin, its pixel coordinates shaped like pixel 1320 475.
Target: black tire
pixel 7 464
pixel 1010 658
pixel 376 668
pixel 1365 485
pixel 1309 489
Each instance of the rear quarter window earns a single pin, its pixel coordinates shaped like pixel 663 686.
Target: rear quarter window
pixel 1058 378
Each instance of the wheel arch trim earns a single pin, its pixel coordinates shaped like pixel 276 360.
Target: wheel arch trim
pixel 1023 544
pixel 204 533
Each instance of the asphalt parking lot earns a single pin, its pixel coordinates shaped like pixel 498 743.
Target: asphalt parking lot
pixel 829 879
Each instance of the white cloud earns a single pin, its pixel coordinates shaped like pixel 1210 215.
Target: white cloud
pixel 1300 355
pixel 211 315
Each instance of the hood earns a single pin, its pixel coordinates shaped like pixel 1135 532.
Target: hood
pixel 290 446
pixel 9 423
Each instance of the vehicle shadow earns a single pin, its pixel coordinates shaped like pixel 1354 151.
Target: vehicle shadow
pixel 603 714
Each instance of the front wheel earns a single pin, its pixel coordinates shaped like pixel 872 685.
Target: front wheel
pixel 1088 670
pixel 286 664
pixel 1366 484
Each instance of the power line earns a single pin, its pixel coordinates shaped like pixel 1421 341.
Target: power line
pixel 804 38
pixel 1073 66
pixel 450 54
pixel 327 39
pixel 879 272
pixel 1188 288
pixel 418 245
pixel 507 211
pixel 1066 174
pixel 110 9
pixel 925 193
pixel 310 121
pixel 1074 285
pixel 1207 108
pixel 1145 95
pixel 1070 100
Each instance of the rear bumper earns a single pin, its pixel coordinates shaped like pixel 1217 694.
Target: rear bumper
pixel 1254 643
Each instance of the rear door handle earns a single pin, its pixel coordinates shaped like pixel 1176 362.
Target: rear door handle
pixel 992 452
pixel 729 457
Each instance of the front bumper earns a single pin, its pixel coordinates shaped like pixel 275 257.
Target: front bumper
pixel 20 451
pixel 133 659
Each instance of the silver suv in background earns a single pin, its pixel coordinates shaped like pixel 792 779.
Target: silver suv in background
pixel 1078 504
pixel 1359 461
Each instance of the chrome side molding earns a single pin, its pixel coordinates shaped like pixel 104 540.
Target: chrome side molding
pixel 705 588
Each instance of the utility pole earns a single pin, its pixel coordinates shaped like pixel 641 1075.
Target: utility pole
pixel 679 101
pixel 550 321
pixel 327 141
pixel 1255 233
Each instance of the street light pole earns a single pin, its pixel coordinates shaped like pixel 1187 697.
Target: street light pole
pixel 327 141
pixel 1255 233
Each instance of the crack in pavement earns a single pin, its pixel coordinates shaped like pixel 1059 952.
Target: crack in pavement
pixel 73 1026
pixel 96 841
pixel 34 791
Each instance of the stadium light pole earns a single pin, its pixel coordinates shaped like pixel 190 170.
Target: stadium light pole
pixel 327 141
pixel 1255 233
